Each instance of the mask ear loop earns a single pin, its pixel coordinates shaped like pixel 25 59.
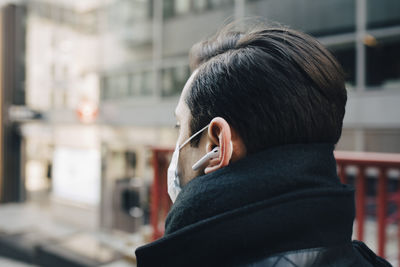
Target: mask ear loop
pixel 193 136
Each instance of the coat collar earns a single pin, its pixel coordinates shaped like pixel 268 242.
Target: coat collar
pixel 265 175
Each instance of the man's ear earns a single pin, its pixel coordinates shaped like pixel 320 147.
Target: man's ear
pixel 219 134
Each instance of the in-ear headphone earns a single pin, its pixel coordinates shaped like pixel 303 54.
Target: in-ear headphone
pixel 210 155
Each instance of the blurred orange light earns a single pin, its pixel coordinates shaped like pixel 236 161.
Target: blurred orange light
pixel 370 40
pixel 87 112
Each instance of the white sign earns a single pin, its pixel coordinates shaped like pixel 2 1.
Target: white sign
pixel 76 174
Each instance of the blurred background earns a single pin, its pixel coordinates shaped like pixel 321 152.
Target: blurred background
pixel 87 94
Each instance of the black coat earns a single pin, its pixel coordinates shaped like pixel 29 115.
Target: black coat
pixel 279 207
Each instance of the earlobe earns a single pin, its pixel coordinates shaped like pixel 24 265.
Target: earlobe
pixel 219 135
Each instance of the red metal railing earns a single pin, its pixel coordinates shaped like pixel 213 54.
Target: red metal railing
pixel 160 202
pixel 383 162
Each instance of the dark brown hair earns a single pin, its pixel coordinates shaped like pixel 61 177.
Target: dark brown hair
pixel 273 85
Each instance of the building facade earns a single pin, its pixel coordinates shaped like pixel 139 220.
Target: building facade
pixel 363 35
pixel 106 75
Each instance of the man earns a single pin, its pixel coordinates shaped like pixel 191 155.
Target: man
pixel 253 176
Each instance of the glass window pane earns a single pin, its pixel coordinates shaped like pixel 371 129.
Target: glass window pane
pixel 139 10
pixel 199 5
pixel 149 10
pixel 147 83
pixel 167 82
pixel 314 17
pixel 181 75
pixel 112 87
pixel 382 13
pixel 122 85
pixel 168 8
pixel 136 84
pixel 219 3
pixel 116 86
pixel 182 6
pixel 346 55
pixel 214 3
pixel 105 88
pixel 174 79
pixel 383 64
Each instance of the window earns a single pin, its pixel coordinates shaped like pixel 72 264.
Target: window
pixel 383 13
pixel 122 14
pixel 148 83
pixel 168 8
pixel 115 86
pixel 136 84
pixel 199 5
pixel 383 64
pixel 88 22
pixel 173 80
pixel 219 3
pixel 104 87
pixel 182 7
pixel 346 55
pixel 121 86
pixel 167 82
pixel 315 17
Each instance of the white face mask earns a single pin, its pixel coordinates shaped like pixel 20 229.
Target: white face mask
pixel 174 187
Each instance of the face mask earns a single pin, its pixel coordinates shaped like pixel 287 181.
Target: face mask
pixel 174 187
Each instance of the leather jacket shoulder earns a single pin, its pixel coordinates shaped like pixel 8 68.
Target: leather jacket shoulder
pixel 352 254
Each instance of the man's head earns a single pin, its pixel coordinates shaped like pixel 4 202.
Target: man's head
pixel 258 89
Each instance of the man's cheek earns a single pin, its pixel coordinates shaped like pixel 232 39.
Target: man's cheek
pixel 181 167
pixel 184 167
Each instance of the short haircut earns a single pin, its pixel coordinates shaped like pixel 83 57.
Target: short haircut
pixel 273 85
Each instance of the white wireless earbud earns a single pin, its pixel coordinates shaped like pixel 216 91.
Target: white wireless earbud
pixel 210 155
